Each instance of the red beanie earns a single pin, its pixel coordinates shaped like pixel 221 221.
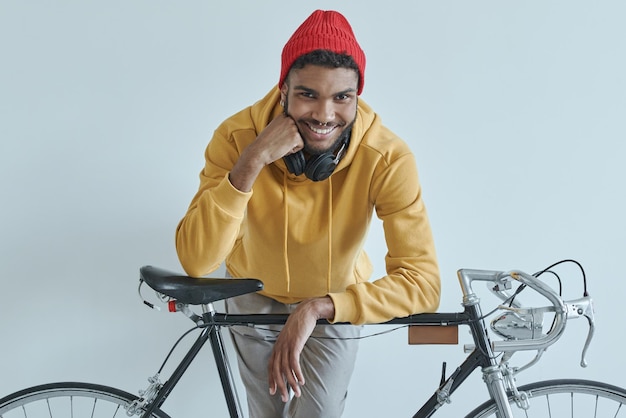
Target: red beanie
pixel 323 30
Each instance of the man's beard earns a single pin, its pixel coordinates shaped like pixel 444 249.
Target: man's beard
pixel 344 136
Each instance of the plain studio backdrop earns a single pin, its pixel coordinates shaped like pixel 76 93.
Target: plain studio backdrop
pixel 515 112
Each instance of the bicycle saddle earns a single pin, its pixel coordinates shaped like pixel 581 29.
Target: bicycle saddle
pixel 196 291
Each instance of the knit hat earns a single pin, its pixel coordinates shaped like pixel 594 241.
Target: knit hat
pixel 323 30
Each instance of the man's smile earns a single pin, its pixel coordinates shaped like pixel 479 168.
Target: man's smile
pixel 321 129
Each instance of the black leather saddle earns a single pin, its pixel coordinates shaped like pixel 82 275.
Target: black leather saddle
pixel 196 291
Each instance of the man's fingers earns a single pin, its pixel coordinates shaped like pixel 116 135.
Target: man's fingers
pixel 277 379
pixel 288 376
pixel 296 373
pixel 284 374
pixel 270 374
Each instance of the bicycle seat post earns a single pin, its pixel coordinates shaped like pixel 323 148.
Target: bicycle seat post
pixel 208 310
pixel 221 361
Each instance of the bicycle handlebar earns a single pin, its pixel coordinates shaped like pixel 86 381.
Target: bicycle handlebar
pixel 563 310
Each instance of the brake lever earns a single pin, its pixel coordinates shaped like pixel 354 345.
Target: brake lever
pixel 576 309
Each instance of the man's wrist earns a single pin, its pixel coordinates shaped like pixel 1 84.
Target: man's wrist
pixel 323 307
pixel 245 171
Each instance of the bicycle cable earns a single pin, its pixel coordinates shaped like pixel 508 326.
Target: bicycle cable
pixel 360 337
pixel 568 260
pixel 174 347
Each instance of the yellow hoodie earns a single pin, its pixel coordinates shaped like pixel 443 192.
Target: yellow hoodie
pixel 305 239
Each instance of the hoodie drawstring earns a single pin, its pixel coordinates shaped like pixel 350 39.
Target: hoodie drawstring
pixel 286 228
pixel 330 233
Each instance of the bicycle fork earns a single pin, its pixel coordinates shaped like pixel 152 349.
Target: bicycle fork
pixel 495 384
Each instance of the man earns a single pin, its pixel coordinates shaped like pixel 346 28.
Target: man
pixel 286 196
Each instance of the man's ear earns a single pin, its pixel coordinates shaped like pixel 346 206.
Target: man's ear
pixel 283 92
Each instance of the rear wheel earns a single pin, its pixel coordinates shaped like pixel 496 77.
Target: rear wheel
pixel 69 400
pixel 565 398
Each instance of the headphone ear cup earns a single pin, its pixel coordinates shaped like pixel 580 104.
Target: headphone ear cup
pixel 321 167
pixel 295 163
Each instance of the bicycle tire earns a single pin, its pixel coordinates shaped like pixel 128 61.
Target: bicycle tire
pixel 69 399
pixel 563 398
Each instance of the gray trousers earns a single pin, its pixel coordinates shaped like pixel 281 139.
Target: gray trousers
pixel 327 362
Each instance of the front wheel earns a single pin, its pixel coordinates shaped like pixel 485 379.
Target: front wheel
pixel 564 398
pixel 77 400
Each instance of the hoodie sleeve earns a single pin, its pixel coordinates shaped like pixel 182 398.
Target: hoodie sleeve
pixel 209 229
pixel 412 284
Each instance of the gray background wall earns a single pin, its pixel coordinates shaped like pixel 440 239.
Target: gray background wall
pixel 515 112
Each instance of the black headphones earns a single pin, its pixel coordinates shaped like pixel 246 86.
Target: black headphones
pixel 318 167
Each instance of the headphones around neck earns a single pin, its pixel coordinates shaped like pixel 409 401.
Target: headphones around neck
pixel 317 167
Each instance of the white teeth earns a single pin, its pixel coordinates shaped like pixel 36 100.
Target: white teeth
pixel 321 131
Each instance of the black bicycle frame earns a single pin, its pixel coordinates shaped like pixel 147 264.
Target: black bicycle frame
pixel 213 322
pixel 477 358
pixel 210 333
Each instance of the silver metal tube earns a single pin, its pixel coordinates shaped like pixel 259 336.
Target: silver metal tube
pixel 495 384
pixel 467 276
pixel 559 321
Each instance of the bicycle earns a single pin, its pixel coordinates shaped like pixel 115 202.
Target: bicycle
pixel 520 330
